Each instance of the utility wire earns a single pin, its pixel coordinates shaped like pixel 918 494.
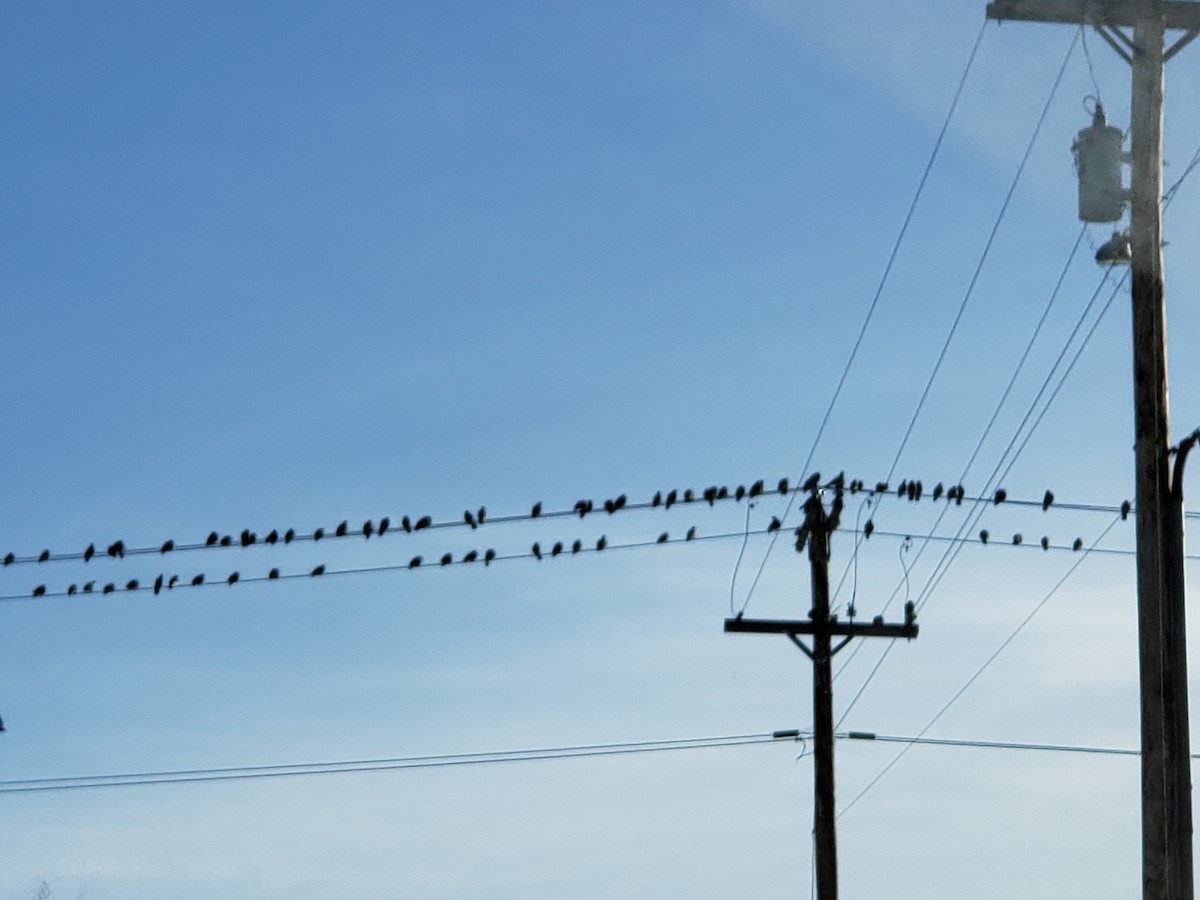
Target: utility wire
pixel 989 745
pixel 987 247
pixel 883 280
pixel 986 663
pixel 346 767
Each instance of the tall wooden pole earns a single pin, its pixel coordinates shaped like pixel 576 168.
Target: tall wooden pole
pixel 1166 752
pixel 824 808
pixel 1150 442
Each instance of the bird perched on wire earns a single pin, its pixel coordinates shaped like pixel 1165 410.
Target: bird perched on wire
pixel 536 511
pixel 406 524
pixel 481 516
pixel 87 554
pixel 1045 543
pixel 384 524
pixel 248 537
pixel 211 540
pixel 602 542
pixel 273 574
pixel 319 570
pixel 755 489
pixel 937 491
pixel 117 550
pixel 226 541
pixel 232 579
pixel 44 557
pixel 469 518
pixel 537 549
pixel 691 533
pixel 1126 507
pixel 368 529
pixel 1077 545
pixel 576 545
pixel 983 535
pixel 812 482
pixel 290 536
pixel 414 562
pixel 1000 496
pixel 1047 499
pixel 471 556
pixel 663 538
pixel 672 496
pixel 167 546
pixel 423 522
pixel 447 558
pixel 158 585
pixel 775 525
pixel 318 534
pixel 271 538
pixel 556 549
pixel 342 529
pixel 488 557
pixel 869 528
pixel 198 580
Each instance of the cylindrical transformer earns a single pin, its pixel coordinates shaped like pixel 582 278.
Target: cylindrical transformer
pixel 1098 158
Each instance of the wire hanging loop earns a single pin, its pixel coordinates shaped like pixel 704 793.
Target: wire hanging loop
pixel 905 547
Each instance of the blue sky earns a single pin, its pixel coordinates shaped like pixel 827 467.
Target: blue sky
pixel 269 267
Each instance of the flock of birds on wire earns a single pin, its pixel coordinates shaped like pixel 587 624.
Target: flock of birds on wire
pixel 911 490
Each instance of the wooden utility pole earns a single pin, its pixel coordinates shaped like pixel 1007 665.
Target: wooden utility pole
pixel 823 627
pixel 1166 756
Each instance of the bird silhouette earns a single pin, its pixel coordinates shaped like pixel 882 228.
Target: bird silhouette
pixel 609 507
pixel 39 591
pixel 582 507
pixel 109 588
pixel 756 489
pixel 602 542
pixel 318 534
pixel 775 525
pixel 447 558
pixel 271 538
pixel 938 490
pixel 131 585
pixel 406 524
pixel 1077 545
pixel 71 591
pixel 414 562
pixel 812 482
pixel 384 524
pixel 471 556
pixel 672 496
pixel 537 549
pixel 1045 543
pixel 1047 499
pixel 663 538
pixel 289 536
pixel 319 570
pixel 960 494
pixel 368 529
pixel 481 516
pixel 174 580
pixel 856 485
pixel 902 490
pixel 469 518
pixel 273 574
pixel 158 585
pixel 913 493
pixel 689 495
pixel 869 528
pixel 918 489
pixel 423 522
pixel 838 482
pixel 232 579
pixel 1017 540
pixel 226 541
pixel 556 549
pixel 197 581
pixel 342 528
pixel 1125 509
pixel 212 539
pixel 576 546
pixel 89 587
pixel 44 557
pixel 740 493
pixel 657 501
pixel 710 495
pixel 722 492
pixel 488 557
pixel 881 487
pixel 87 554
pixel 536 511
pixel 1000 496
pixel 117 550
pixel 983 535
pixel 783 485
pixel 248 537
pixel 691 533
pixel 167 547
pixel 9 559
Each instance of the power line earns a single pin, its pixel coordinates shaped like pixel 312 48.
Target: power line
pixel 351 766
pixel 979 671
pixel 987 247
pixel 883 280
